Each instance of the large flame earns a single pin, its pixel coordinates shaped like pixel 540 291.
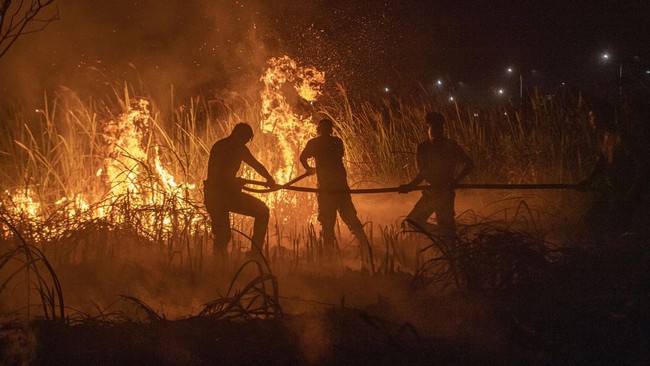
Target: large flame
pixel 138 187
pixel 140 190
pixel 131 177
pixel 290 129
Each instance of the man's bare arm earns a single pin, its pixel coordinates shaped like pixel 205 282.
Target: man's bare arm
pixel 468 166
pixel 258 167
pixel 304 159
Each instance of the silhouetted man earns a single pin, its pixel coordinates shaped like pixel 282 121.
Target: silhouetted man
pixel 328 151
pixel 223 189
pixel 617 174
pixel 443 164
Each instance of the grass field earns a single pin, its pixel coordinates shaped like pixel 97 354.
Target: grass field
pixel 103 226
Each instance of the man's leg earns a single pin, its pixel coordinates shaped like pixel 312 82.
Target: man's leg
pixel 445 215
pixel 420 213
pixel 220 223
pixel 253 207
pixel 327 206
pixel 349 215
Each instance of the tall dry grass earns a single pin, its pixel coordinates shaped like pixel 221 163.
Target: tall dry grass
pixel 57 150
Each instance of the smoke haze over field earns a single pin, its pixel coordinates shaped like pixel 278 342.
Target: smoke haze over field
pixel 196 45
pixel 182 43
pixel 208 46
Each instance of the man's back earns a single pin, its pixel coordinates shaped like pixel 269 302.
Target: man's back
pixel 328 152
pixel 439 159
pixel 225 159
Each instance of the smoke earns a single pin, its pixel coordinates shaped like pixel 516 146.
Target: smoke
pixel 201 47
pixel 194 45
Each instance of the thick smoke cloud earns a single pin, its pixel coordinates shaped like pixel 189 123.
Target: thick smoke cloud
pixel 207 46
pixel 189 44
pixel 198 46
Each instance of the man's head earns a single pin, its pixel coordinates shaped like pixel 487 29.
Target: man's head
pixel 324 127
pixel 435 125
pixel 242 132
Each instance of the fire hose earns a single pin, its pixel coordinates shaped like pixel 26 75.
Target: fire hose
pixel 289 186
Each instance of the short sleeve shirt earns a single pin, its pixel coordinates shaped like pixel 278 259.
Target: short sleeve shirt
pixel 327 152
pixel 438 160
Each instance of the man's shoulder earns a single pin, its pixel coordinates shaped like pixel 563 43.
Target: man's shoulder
pixel 425 144
pixel 310 143
pixel 451 142
pixel 217 145
pixel 444 143
pixel 325 140
pixel 226 144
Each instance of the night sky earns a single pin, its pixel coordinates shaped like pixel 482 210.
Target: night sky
pixel 209 46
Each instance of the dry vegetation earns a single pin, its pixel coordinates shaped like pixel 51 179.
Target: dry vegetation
pixel 521 283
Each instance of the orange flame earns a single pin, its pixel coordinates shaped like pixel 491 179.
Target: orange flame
pixel 133 186
pixel 139 188
pixel 129 176
pixel 291 129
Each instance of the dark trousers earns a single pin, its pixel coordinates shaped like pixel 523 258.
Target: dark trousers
pixel 440 202
pixel 331 203
pixel 220 205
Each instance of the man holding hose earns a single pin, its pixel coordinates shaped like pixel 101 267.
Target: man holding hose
pixel 223 190
pixel 327 151
pixel 443 164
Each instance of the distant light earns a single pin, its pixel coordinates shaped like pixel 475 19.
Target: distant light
pixel 510 69
pixel 647 71
pixel 505 113
pixel 475 114
pixel 563 84
pixel 439 82
pixel 606 56
pixel 386 90
pixel 500 91
pixel 451 99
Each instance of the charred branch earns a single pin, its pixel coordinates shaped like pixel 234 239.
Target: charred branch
pixel 18 18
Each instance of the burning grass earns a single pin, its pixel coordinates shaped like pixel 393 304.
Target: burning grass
pixel 103 197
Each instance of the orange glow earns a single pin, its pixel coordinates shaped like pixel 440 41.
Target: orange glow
pixel 290 129
pixel 139 189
